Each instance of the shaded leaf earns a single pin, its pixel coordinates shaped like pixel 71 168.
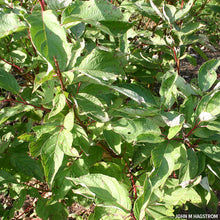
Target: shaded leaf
pixel 26 165
pixel 163 161
pixel 113 139
pixel 131 130
pixel 8 82
pixel 212 151
pixel 92 106
pixel 207 74
pixel 106 188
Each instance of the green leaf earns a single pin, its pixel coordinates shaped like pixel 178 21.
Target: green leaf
pixel 190 28
pixel 207 74
pixel 58 4
pixel 10 23
pixel 212 151
pixel 8 82
pixel 156 9
pixel 179 196
pixel 62 186
pixel 114 140
pixel 160 211
pixel 189 169
pixel 69 121
pixel 163 161
pixel 8 112
pixel 52 157
pixel 214 167
pixel 168 12
pixel 59 103
pixel 137 93
pixel 168 88
pixel 91 106
pixel 142 201
pixel 131 130
pixel 65 140
pixel 6 177
pixel 107 189
pixel 54 211
pixel 49 38
pixel 141 154
pixel 94 10
pixel 102 66
pixel 213 105
pixel 26 165
pixel 181 13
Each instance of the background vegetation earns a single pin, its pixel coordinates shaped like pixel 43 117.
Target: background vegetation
pixel 97 109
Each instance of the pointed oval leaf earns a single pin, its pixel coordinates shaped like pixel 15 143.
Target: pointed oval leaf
pixel 106 188
pixel 212 151
pixel 58 4
pixel 164 161
pixel 213 105
pixel 52 157
pixel 8 82
pixel 9 23
pixel 91 105
pixel 49 38
pixel 207 74
pixel 59 103
pixel 141 129
pixel 65 140
pixel 26 165
pixel 95 10
pixel 113 139
pixel 69 121
pixel 184 11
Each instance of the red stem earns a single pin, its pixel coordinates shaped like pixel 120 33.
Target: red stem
pixel 26 103
pixel 191 131
pixel 176 59
pixel 182 4
pixel 27 209
pixel 78 88
pixel 61 80
pixel 132 181
pixel 12 64
pixel 42 4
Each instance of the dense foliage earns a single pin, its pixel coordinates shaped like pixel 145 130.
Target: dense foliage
pixel 94 105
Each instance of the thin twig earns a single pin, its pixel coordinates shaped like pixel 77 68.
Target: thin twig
pixel 191 131
pixel 26 103
pixel 42 4
pixel 12 64
pixel 61 80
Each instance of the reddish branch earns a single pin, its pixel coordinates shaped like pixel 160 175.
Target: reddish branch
pixel 132 181
pixel 27 209
pixel 12 64
pixel 42 4
pixel 78 88
pixel 58 72
pixel 191 131
pixel 176 59
pixel 182 4
pixel 26 103
pixel 134 189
